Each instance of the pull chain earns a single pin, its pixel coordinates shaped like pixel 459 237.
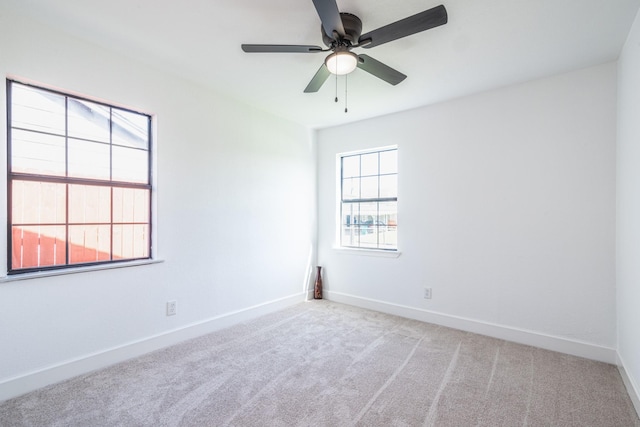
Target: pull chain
pixel 346 79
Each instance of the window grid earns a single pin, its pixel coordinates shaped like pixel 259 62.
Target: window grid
pixel 363 222
pixel 139 188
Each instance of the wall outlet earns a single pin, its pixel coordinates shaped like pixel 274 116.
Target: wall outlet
pixel 172 308
pixel 427 293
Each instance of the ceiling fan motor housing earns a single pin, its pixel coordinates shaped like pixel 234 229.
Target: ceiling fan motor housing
pixel 352 28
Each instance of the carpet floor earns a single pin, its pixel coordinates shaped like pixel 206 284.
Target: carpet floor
pixel 326 364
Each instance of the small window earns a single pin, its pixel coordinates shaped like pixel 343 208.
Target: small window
pixel 79 181
pixel 369 199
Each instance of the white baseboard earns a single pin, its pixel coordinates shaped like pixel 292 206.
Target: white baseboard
pixel 34 380
pixel 521 336
pixel 309 295
pixel 630 384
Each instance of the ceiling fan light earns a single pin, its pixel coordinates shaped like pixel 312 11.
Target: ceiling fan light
pixel 341 62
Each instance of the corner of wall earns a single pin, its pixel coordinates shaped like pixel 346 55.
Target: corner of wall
pixel 632 388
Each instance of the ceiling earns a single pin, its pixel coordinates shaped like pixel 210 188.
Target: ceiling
pixel 486 44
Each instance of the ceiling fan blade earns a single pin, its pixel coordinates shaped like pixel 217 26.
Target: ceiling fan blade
pixel 380 70
pixel 422 21
pixel 330 17
pixel 318 80
pixel 277 48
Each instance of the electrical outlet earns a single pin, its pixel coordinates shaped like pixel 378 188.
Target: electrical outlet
pixel 427 293
pixel 172 308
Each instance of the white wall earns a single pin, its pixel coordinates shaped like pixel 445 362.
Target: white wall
pixel 235 216
pixel 628 210
pixel 506 209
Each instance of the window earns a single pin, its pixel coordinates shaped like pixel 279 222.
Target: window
pixel 79 188
pixel 369 199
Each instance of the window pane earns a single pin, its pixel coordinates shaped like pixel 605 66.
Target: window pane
pixel 130 205
pixel 368 238
pixel 389 186
pixel 37 246
pixel 89 204
pixel 88 120
pixel 350 227
pixel 37 203
pixel 369 187
pixel 37 109
pixel 388 213
pixel 351 236
pixel 130 165
pixel 130 129
pixel 350 166
pixel 130 241
pixel 350 212
pixel 88 160
pixel 389 162
pixel 89 243
pixel 367 225
pixel 388 237
pixel 350 188
pixel 369 164
pixel 368 214
pixel 387 225
pixel 37 153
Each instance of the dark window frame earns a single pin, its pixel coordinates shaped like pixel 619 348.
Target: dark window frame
pixel 358 201
pixel 66 180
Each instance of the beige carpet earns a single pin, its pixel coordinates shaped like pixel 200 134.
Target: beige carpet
pixel 326 364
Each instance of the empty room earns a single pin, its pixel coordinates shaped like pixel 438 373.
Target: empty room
pixel 320 213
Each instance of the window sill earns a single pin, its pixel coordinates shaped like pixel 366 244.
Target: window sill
pixel 368 252
pixel 64 272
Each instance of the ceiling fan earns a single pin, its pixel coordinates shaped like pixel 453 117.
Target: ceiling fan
pixel 341 32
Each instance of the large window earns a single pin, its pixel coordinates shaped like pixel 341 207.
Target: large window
pixel 79 188
pixel 369 199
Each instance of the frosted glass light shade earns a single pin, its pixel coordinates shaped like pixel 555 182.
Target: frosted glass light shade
pixel 341 62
